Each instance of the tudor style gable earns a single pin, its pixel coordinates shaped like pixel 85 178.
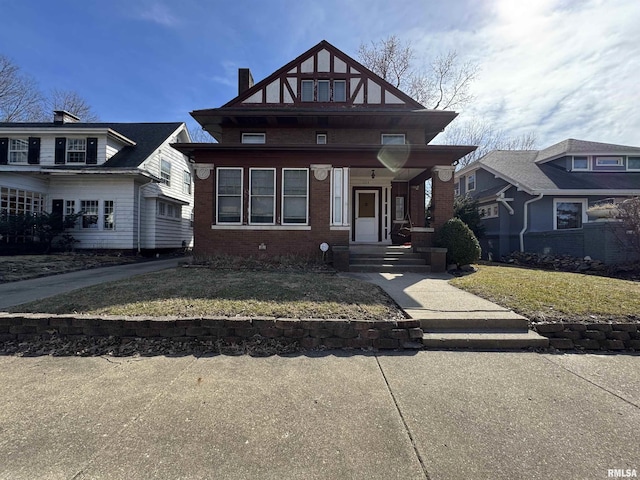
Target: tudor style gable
pixel 321 77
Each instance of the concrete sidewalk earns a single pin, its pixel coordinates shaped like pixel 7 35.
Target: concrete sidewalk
pixel 329 415
pixel 15 293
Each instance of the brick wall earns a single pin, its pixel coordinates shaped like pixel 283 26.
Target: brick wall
pixel 590 336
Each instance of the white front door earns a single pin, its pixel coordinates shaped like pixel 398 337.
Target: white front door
pixel 367 221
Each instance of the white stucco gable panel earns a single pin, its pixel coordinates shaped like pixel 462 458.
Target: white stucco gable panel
pixel 255 98
pixel 324 63
pixel 374 92
pixel 273 92
pixel 391 98
pixel 307 66
pixel 339 66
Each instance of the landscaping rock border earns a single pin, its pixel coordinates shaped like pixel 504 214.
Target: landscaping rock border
pixel 307 333
pixel 590 336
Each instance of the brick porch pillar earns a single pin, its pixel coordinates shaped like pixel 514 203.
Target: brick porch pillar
pixel 203 214
pixel 442 194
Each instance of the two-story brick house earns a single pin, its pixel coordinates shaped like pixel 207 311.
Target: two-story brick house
pixel 135 192
pixel 321 151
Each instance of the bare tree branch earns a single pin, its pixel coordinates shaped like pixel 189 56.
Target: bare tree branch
pixel 20 98
pixel 72 102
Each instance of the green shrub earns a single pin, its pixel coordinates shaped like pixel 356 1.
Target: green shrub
pixel 467 209
pixel 461 244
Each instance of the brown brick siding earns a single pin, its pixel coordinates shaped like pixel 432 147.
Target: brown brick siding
pixel 441 201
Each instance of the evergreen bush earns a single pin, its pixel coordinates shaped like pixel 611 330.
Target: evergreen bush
pixel 462 245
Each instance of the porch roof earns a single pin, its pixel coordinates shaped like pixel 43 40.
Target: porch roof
pixel 418 159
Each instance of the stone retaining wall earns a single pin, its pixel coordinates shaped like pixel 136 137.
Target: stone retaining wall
pixel 590 336
pixel 308 334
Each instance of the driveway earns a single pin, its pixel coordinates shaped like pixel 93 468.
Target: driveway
pixel 424 415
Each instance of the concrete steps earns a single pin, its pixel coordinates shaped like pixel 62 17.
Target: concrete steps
pixel 475 330
pixel 386 259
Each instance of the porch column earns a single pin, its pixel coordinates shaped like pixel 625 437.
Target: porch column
pixel 442 194
pixel 203 213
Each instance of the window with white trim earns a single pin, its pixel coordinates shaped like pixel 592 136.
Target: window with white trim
pixel 295 196
pixel 76 150
pixel 14 201
pixel 489 211
pixel 580 163
pixel 306 90
pixel 392 139
pixel 633 163
pixel 162 209
pixel 609 162
pixel 339 90
pixel 569 213
pixel 69 207
pixel 323 90
pixel 321 138
pixel 229 195
pixel 337 196
pixel 262 195
pixel 471 182
pixel 89 209
pixel 165 172
pixel 186 182
pixel 254 138
pixel 108 213
pixel 456 188
pixel 18 150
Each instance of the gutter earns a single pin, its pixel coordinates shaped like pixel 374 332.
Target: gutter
pixel 526 219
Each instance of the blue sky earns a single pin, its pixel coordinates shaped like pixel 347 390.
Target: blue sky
pixel 560 68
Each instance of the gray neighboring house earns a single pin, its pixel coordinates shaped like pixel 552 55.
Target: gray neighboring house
pixel 537 200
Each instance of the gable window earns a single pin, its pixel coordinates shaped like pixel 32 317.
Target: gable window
pixel 109 215
pixel 339 91
pixel 306 90
pixel 229 195
pixel 580 163
pixel 633 163
pixel 165 172
pixel 569 213
pixel 609 162
pixel 262 195
pixel 18 150
pixel 89 210
pixel 295 196
pixel 321 138
pixel 471 182
pixel 186 182
pixel 323 90
pixel 76 150
pixel 392 139
pixel 254 138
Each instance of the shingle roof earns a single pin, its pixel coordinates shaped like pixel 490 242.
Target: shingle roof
pixel 520 168
pixel 573 146
pixel 148 137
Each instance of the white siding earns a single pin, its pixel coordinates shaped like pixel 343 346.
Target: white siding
pixel 24 182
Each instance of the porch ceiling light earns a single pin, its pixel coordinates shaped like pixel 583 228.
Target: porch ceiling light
pixel 373 174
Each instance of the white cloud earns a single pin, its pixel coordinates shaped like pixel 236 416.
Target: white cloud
pixel 160 14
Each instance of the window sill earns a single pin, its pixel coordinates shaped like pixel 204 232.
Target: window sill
pixel 260 227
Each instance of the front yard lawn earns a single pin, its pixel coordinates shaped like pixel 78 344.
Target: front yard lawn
pixel 553 296
pixel 195 292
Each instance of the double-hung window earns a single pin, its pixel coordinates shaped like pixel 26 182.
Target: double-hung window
pixel 18 150
pixel 339 91
pixel 229 195
pixel 323 90
pixel 262 197
pixel 471 182
pixel 295 196
pixel 89 210
pixel 108 215
pixel 186 182
pixel 306 90
pixel 76 150
pixel 165 172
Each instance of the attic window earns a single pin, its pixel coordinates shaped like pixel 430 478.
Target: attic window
pixel 580 163
pixel 321 138
pixel 633 163
pixel 609 162
pixel 392 139
pixel 254 138
pixel 323 91
pixel 307 90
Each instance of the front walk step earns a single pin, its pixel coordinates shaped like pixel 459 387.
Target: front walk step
pixel 389 268
pixel 485 340
pixel 386 259
pixel 474 322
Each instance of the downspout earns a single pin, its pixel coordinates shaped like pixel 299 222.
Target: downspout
pixel 139 211
pixel 526 219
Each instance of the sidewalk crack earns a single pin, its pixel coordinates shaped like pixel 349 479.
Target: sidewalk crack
pixel 404 422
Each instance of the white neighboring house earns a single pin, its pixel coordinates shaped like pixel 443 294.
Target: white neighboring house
pixel 134 189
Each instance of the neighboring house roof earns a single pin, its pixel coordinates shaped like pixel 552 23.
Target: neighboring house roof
pixel 147 137
pixel 528 170
pixel 572 146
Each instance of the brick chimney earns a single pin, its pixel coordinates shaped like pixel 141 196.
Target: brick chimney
pixel 245 80
pixel 62 116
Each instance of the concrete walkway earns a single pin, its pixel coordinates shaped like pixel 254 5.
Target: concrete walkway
pixel 425 296
pixel 15 293
pixel 330 415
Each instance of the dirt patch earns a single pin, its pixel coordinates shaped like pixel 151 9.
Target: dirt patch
pixel 23 267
